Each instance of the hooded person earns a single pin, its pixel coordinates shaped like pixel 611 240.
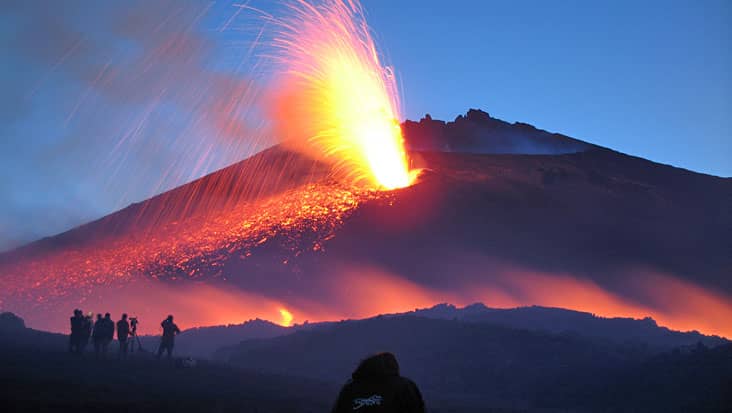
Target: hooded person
pixel 376 386
pixel 98 334
pixel 77 332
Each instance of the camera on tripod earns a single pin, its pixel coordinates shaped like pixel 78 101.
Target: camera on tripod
pixel 133 332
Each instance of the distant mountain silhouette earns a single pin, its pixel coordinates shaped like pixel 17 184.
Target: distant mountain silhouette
pixel 14 333
pixel 10 323
pixel 204 341
pixel 462 366
pixel 557 320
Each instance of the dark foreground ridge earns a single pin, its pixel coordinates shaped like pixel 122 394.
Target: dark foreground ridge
pixel 38 375
pixel 460 366
pixel 58 382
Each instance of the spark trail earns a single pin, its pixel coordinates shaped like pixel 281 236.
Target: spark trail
pixel 329 97
pixel 334 98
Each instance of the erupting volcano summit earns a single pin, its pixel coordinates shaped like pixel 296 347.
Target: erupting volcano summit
pixel 334 100
pixel 278 231
pixel 353 213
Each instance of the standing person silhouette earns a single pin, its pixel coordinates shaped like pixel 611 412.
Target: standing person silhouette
pixel 133 335
pixel 376 386
pixel 167 342
pixel 123 330
pixel 77 332
pixel 86 331
pixel 98 335
pixel 108 334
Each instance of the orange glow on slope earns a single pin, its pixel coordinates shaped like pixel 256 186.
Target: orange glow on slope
pixel 193 305
pixel 190 251
pixel 366 291
pixel 672 302
pixel 286 317
pixel 683 305
pixel 334 98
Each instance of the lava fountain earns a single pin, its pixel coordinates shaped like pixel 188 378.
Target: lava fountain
pixel 333 97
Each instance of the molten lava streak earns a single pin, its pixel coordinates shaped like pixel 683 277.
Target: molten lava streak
pixel 334 99
pixel 286 317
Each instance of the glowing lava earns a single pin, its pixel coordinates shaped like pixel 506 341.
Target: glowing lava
pixel 286 317
pixel 334 98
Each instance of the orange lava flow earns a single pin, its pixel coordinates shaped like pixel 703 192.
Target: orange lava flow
pixel 334 99
pixel 195 248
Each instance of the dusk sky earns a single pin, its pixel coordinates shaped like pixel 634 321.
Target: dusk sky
pixel 90 123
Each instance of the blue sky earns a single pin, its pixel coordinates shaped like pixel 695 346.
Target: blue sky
pixel 649 78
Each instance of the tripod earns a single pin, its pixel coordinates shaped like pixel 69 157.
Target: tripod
pixel 133 333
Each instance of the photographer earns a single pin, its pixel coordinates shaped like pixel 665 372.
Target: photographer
pixel 133 334
pixel 168 341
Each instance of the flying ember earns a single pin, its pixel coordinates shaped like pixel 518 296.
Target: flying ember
pixel 334 99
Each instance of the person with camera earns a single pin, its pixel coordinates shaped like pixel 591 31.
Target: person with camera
pixel 133 335
pixel 168 340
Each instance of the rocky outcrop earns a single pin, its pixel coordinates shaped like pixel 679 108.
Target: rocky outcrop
pixel 11 322
pixel 478 132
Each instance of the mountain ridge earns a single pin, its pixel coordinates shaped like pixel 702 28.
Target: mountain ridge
pixel 416 140
pixel 623 234
pixel 204 341
pixel 482 365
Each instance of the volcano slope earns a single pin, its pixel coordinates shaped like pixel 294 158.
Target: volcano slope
pixel 572 225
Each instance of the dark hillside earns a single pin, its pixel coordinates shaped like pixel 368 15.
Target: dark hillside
pixel 479 365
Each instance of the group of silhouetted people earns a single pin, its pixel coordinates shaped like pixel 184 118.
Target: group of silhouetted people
pixel 101 332
pixel 375 386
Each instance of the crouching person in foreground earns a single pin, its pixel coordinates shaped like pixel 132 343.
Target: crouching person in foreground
pixel 376 386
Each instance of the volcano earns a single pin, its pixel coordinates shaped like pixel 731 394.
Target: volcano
pixel 502 213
